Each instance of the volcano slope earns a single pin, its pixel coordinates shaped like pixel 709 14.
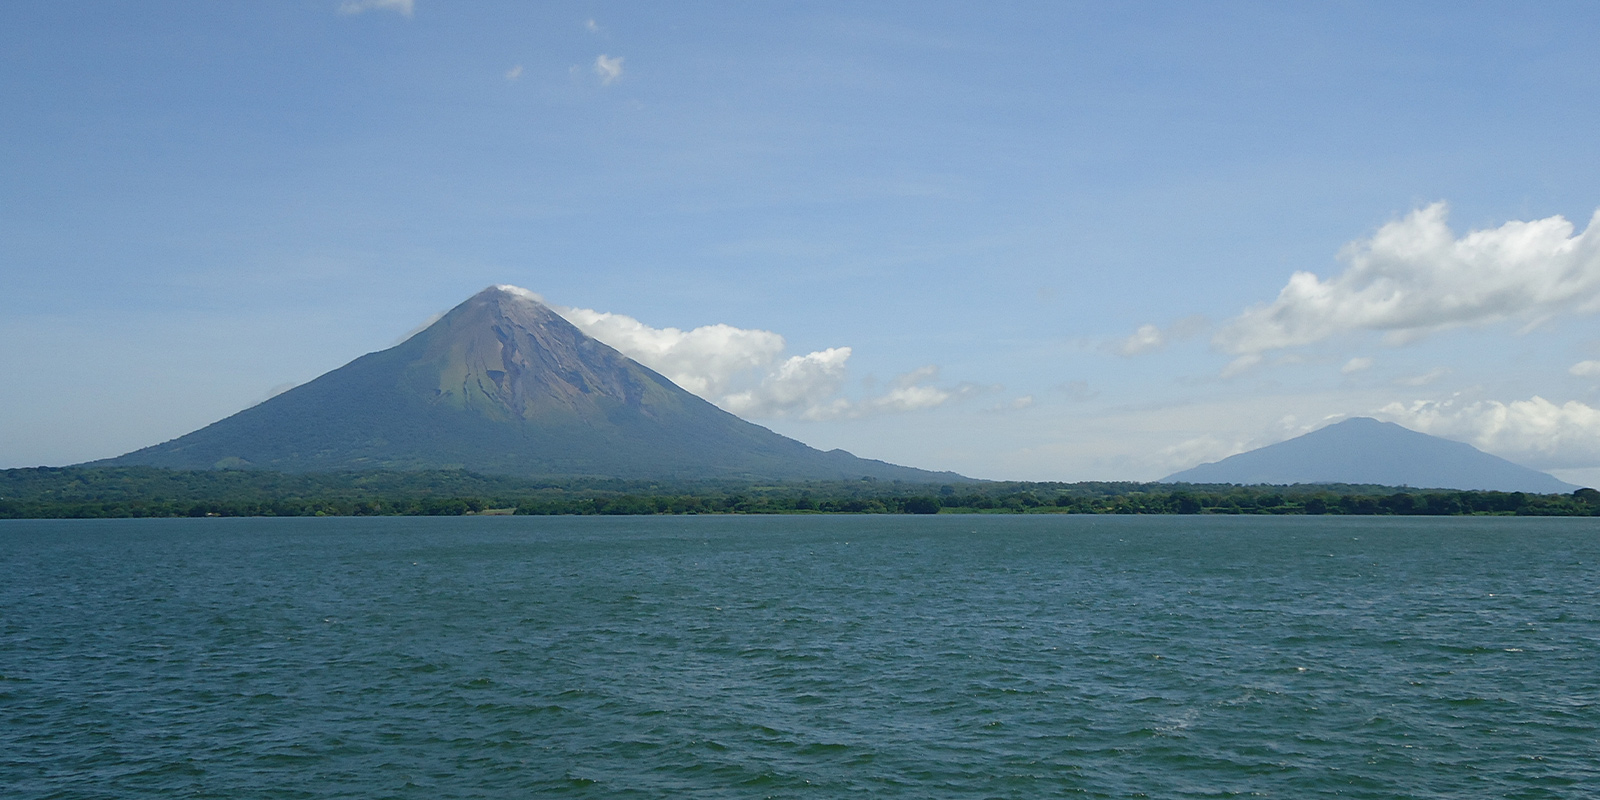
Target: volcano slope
pixel 503 385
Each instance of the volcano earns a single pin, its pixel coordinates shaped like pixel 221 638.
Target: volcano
pixel 503 385
pixel 1363 450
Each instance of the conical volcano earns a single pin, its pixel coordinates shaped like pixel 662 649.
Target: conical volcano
pixel 501 384
pixel 1365 451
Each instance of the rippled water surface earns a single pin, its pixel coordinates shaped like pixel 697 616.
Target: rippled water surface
pixel 723 657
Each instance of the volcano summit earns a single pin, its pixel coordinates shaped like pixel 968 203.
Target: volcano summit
pixel 501 384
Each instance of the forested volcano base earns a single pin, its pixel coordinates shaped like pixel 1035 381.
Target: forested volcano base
pixel 89 492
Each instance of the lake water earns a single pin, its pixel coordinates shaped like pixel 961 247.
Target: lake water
pixel 840 656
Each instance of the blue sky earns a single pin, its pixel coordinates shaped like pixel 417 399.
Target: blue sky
pixel 1052 236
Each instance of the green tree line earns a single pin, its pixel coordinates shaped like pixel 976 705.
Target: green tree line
pixel 89 492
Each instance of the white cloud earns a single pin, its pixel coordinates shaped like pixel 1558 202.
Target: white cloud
pixel 909 392
pixel 1414 277
pixel 1143 340
pixel 802 386
pixel 591 26
pixel 806 387
pixel 609 69
pixel 401 7
pixel 1241 365
pixel 1425 378
pixel 1150 337
pixel 1199 450
pixel 705 360
pixel 1585 369
pixel 521 292
pixel 1535 432
pixel 744 371
pixel 1355 365
pixel 514 73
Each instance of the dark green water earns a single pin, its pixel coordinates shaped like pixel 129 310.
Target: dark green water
pixel 722 657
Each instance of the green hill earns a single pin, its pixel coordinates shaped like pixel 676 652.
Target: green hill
pixel 503 385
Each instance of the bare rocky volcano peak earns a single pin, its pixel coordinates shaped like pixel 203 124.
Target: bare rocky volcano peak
pixel 502 384
pixel 503 353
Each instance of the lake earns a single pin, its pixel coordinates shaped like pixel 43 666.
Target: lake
pixel 800 656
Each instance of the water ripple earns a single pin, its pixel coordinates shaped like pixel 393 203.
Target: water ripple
pixel 785 657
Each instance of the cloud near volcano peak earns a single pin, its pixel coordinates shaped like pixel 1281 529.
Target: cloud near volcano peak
pixel 1534 432
pixel 705 360
pixel 743 370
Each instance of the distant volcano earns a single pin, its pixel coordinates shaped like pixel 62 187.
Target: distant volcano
pixel 501 384
pixel 1364 450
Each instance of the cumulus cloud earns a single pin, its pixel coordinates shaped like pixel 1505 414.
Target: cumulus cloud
pixel 744 371
pixel 705 360
pixel 806 387
pixel 1535 432
pixel 1414 277
pixel 1143 340
pixel 1149 338
pixel 909 392
pixel 401 7
pixel 1355 365
pixel 514 73
pixel 1585 369
pixel 802 386
pixel 609 69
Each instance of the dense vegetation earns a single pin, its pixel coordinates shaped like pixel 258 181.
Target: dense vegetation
pixel 87 492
